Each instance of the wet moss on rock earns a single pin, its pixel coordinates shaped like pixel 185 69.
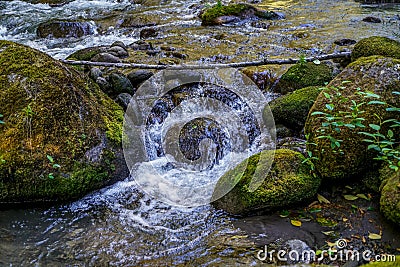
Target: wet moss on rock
pixel 52 110
pixel 288 181
pixel 303 75
pixel 376 45
pixel 390 194
pixel 292 109
pixel 375 74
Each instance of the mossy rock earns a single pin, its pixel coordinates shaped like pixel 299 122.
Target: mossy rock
pixel 390 194
pixel 376 74
pixel 292 109
pixel 288 181
pixel 88 53
pixel 376 45
pixel 64 29
pixel 303 75
pixel 395 263
pixel 61 136
pixel 215 14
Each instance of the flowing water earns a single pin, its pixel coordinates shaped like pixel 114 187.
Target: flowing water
pixel 120 224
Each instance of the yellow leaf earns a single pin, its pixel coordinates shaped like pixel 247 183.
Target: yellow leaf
pixel 362 196
pixel 330 244
pixel 238 236
pixel 374 236
pixel 328 232
pixel 295 223
pixel 350 197
pixel 345 219
pixel 322 199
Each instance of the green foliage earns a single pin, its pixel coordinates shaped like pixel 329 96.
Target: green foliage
pixel 380 137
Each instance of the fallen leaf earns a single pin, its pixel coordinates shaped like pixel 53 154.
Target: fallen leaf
pixel 238 236
pixel 313 203
pixel 350 197
pixel 364 240
pixel 284 213
pixel 330 244
pixel 328 233
pixel 362 196
pixel 322 199
pixel 295 223
pixel 374 236
pixel 398 249
pixel 349 187
pixel 345 219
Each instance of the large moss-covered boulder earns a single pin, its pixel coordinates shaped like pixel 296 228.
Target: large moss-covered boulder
pixel 376 74
pixel 61 135
pixel 292 109
pixel 390 194
pixel 220 14
pixel 376 45
pixel 288 181
pixel 303 75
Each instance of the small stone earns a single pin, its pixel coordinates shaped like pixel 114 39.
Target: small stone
pixel 95 73
pixel 106 57
pixel 123 100
pixel 118 51
pixel 371 19
pixel 103 84
pixel 138 76
pixel 148 32
pixel 119 43
pixel 345 42
pixel 119 84
pixel 141 45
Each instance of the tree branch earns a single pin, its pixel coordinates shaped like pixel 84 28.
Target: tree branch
pixel 208 66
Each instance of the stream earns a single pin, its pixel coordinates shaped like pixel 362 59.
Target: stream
pixel 121 225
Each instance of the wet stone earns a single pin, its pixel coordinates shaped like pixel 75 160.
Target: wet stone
pixel 106 57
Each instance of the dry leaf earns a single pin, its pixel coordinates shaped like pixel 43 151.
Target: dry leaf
pixel 362 196
pixel 322 199
pixel 350 197
pixel 295 223
pixel 374 236
pixel 345 219
pixel 364 240
pixel 328 232
pixel 330 244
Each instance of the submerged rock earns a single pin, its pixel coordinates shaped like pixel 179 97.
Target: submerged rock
pixel 375 74
pixel 292 109
pixel 220 14
pixel 62 135
pixel 372 19
pixel 287 182
pixel 64 29
pixel 376 45
pixel 302 75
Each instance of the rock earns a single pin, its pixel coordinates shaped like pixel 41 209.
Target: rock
pixel 123 100
pixel 64 29
pixel 87 54
pixel 219 14
pixel 52 3
pixel 141 45
pixel 376 74
pixel 376 45
pixel 289 181
pixel 264 78
pixel 390 194
pixel 103 84
pixel 95 73
pixel 106 57
pixel 372 19
pixel 147 33
pixel 282 131
pixel 345 42
pixel 292 109
pixel 120 44
pixel 118 51
pixel 119 84
pixel 136 77
pixel 62 135
pixel 303 75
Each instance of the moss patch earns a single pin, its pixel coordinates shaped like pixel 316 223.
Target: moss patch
pixel 376 74
pixel 376 45
pixel 287 182
pixel 303 75
pixel 52 110
pixel 390 194
pixel 292 109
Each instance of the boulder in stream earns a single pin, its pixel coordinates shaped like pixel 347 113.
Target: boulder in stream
pixel 376 45
pixel 61 136
pixel 64 29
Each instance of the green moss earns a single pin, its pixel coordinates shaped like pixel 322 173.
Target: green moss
pixel 287 182
pixel 86 54
pixel 303 75
pixel 210 14
pixel 292 109
pixel 51 109
pixel 376 45
pixel 390 194
pixel 375 74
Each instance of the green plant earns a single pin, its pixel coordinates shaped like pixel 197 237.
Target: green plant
pixel 302 59
pixel 1 122
pixel 382 139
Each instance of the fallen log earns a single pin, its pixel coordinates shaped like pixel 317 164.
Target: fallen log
pixel 208 66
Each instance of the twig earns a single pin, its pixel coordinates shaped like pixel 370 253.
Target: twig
pixel 208 66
